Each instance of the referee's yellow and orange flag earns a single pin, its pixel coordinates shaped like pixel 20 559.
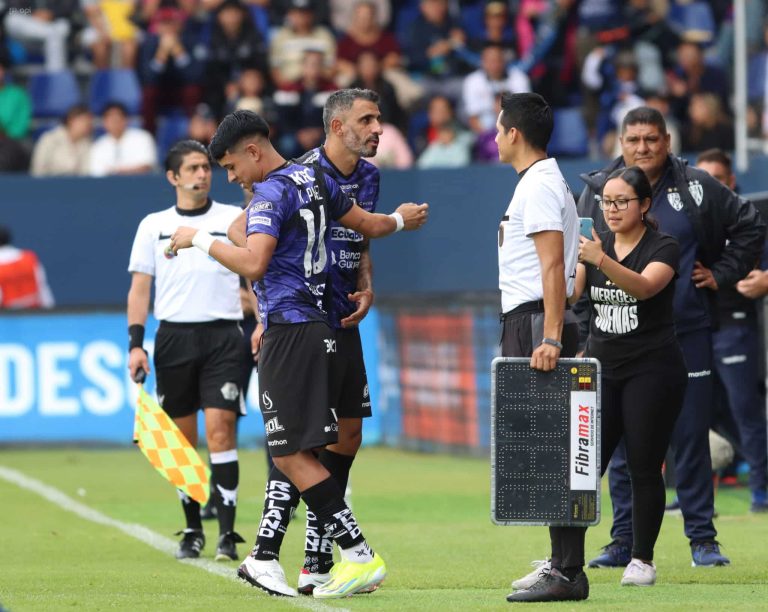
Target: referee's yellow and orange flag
pixel 166 448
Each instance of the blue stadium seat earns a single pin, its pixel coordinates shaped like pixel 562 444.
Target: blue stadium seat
pixel 53 93
pixel 569 136
pixel 473 20
pixel 117 85
pixel 170 129
pixel 693 21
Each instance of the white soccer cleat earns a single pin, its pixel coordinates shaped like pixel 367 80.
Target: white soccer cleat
pixel 639 574
pixel 266 575
pixel 308 581
pixel 529 580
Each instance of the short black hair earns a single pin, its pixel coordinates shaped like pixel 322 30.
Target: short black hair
pixel 717 156
pixel 114 105
pixel 644 115
pixel 176 154
pixel 233 128
pixel 5 236
pixel 342 100
pixel 530 114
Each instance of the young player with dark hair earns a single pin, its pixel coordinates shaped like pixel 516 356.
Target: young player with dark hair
pixel 198 344
pixel 286 256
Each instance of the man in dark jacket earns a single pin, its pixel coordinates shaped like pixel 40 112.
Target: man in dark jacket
pixel 721 237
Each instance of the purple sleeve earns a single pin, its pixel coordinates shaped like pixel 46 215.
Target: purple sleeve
pixel 265 213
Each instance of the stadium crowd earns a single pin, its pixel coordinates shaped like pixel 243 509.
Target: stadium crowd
pixel 176 67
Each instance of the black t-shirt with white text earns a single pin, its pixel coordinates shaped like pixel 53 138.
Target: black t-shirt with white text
pixel 624 328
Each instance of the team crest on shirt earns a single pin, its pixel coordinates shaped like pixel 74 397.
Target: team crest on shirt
pixel 697 191
pixel 675 201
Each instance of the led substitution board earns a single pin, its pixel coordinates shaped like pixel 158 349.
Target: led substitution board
pixel 545 443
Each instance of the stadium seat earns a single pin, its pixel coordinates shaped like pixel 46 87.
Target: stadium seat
pixel 170 129
pixel 53 93
pixel 569 136
pixel 117 85
pixel 693 21
pixel 472 20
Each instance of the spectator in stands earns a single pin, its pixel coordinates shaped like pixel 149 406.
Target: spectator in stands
pixel 693 75
pixel 251 92
pixel 202 125
pixel 757 79
pixel 43 23
pixel 170 73
pixel 236 44
pixel 65 150
pixel 150 11
pixel 369 76
pixel 23 283
pixel 610 75
pixel 529 16
pixel 430 44
pixel 440 111
pixel 15 104
pixel 365 34
pixel 451 148
pixel 110 25
pixel 123 149
pixel 300 107
pixel 708 126
pixel 486 150
pixel 300 34
pixel 393 151
pixel 342 13
pixel 480 88
pixel 497 29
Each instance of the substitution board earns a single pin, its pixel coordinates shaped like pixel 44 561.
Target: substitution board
pixel 545 443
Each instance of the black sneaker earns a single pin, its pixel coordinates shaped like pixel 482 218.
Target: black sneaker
pixel 616 554
pixel 553 586
pixel 191 544
pixel 226 549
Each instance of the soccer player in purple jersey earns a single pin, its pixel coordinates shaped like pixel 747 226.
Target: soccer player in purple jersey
pixel 285 255
pixel 352 124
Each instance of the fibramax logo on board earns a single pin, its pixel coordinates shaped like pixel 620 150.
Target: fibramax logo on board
pixel 582 455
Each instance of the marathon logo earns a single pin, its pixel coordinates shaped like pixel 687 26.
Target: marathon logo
pixel 348 235
pixel 261 205
pixel 583 455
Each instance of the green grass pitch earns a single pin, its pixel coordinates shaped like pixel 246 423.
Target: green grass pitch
pixel 428 515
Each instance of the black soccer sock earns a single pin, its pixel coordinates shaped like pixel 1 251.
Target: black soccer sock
pixel 318 550
pixel 280 501
pixel 225 476
pixel 326 501
pixel 191 511
pixel 572 572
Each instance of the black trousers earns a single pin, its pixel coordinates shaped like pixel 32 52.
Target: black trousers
pixel 643 407
pixel 521 333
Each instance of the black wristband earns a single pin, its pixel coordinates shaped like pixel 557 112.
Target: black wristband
pixel 135 336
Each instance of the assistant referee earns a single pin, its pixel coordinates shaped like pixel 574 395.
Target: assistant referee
pixel 538 253
pixel 198 347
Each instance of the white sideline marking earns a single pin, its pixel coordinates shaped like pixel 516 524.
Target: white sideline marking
pixel 143 534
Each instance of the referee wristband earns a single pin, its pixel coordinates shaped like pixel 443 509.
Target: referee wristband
pixel 552 342
pixel 135 336
pixel 398 220
pixel 203 241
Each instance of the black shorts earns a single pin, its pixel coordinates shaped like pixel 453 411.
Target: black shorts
pixel 197 365
pixel 349 382
pixel 523 329
pixel 294 373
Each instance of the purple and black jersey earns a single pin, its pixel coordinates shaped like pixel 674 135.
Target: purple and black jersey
pixel 295 205
pixel 346 246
